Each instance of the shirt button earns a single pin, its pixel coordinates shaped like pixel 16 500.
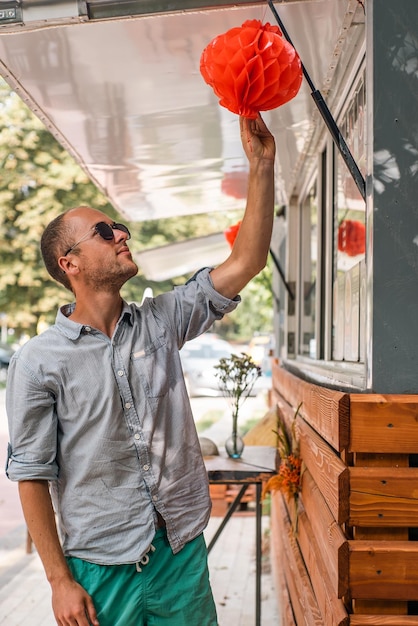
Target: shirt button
pixel 128 405
pixel 155 498
pixel 145 468
pixel 87 329
pixel 136 436
pixel 120 372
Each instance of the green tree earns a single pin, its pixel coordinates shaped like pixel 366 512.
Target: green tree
pixel 254 314
pixel 39 180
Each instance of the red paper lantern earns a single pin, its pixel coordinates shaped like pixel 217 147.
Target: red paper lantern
pixel 231 233
pixel 252 68
pixel 352 237
pixel 235 184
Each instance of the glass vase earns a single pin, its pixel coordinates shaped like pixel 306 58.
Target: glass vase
pixel 234 446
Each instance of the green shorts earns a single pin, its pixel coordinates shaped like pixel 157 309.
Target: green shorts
pixel 170 589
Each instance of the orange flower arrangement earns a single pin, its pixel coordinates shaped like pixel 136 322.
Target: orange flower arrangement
pixel 287 480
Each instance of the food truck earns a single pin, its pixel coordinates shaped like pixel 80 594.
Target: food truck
pixel 118 84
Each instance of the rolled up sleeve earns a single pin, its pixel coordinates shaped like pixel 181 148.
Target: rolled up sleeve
pixel 32 421
pixel 191 309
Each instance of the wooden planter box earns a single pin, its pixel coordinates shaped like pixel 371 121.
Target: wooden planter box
pixel 353 559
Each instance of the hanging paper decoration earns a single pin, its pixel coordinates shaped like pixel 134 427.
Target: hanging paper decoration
pixel 231 233
pixel 235 184
pixel 352 237
pixel 252 68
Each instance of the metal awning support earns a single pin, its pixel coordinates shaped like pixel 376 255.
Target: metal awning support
pixel 282 276
pixel 328 118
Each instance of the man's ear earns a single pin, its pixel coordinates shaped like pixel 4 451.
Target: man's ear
pixel 67 265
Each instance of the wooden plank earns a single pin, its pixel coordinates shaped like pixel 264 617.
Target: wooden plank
pixel 332 608
pixel 287 617
pixel 326 468
pixel 330 473
pixel 332 542
pixel 276 558
pixel 287 565
pixel 383 620
pixel 383 496
pixel 383 423
pixel 326 410
pixel 374 534
pixel 384 570
pixel 304 604
pixel 379 607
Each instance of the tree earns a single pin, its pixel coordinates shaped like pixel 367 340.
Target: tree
pixel 39 180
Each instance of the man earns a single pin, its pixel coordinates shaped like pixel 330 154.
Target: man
pixel 99 417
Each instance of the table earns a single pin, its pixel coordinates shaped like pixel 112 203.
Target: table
pixel 257 464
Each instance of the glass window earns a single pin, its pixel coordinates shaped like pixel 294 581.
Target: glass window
pixel 308 273
pixel 349 237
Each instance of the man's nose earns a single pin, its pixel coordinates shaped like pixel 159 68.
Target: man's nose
pixel 119 235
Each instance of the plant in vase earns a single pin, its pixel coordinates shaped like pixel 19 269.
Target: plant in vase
pixel 236 376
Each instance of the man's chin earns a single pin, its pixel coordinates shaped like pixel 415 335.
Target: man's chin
pixel 135 269
pixel 131 271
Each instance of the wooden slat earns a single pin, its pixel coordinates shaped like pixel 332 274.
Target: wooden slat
pixel 379 607
pixel 289 570
pixel 332 608
pixel 286 612
pixel 326 468
pixel 382 533
pixel 326 410
pixel 384 570
pixel 383 620
pixel 383 496
pixel 383 423
pixel 276 558
pixel 331 540
pixel 304 604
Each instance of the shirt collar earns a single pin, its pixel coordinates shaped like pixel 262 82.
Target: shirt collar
pixel 72 329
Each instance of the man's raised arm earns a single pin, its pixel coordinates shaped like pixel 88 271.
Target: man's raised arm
pixel 249 253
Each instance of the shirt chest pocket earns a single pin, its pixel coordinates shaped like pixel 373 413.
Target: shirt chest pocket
pixel 152 364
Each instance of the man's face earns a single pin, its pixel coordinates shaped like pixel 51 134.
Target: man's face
pixel 104 264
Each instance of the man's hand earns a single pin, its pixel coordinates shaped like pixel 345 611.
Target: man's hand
pixel 257 140
pixel 72 605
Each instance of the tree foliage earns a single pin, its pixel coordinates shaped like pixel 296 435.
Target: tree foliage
pixel 40 180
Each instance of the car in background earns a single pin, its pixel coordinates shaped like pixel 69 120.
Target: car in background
pixel 260 349
pixel 6 353
pixel 199 357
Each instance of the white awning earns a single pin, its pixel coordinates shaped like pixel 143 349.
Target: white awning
pixel 182 258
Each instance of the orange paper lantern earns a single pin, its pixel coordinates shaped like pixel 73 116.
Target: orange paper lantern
pixel 252 68
pixel 231 233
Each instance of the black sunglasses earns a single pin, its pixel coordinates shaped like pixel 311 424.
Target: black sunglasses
pixel 104 230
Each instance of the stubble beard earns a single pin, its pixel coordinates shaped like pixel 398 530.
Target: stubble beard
pixel 110 278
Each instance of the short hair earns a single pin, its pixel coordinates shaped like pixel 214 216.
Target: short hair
pixel 56 238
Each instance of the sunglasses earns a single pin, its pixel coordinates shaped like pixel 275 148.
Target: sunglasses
pixel 104 230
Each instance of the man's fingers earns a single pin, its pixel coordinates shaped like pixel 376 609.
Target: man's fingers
pixel 91 612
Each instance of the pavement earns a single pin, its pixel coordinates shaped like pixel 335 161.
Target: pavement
pixel 25 595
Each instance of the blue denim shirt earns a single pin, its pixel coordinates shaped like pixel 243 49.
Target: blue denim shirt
pixel 108 422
